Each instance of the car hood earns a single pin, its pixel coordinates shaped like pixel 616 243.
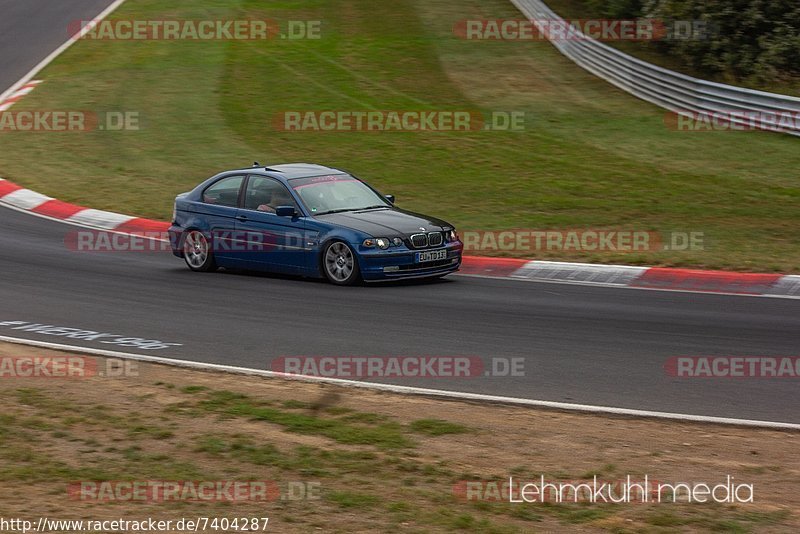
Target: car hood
pixel 386 223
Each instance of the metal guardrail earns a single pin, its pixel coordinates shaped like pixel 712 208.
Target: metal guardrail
pixel 672 90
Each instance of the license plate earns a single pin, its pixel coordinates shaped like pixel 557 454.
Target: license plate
pixel 433 255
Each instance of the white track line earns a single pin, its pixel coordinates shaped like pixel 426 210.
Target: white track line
pixel 407 390
pixel 60 50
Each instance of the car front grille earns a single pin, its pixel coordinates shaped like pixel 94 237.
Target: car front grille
pixel 419 240
pixel 433 239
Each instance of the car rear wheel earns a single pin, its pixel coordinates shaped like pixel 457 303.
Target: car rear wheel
pixel 197 253
pixel 339 264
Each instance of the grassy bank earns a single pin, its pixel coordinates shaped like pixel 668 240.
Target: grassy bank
pixel 590 156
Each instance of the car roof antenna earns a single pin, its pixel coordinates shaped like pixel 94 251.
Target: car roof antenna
pixel 256 164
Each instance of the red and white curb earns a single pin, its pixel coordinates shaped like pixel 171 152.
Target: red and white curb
pixel 692 280
pixel 723 282
pixel 35 203
pixel 18 94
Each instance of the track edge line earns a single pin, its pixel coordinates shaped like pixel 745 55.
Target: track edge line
pixel 410 390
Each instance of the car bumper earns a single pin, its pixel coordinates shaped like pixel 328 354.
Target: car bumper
pixel 379 265
pixel 175 237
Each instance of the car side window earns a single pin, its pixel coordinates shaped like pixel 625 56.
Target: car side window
pixel 265 194
pixel 224 192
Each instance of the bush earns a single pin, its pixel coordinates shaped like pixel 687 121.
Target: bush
pixel 746 39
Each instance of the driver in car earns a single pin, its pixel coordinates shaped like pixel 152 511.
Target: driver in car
pixel 279 198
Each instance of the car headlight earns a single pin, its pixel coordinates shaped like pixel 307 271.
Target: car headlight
pixel 452 236
pixel 382 242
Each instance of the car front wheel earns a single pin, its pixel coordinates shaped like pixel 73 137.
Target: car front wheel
pixel 339 264
pixel 197 253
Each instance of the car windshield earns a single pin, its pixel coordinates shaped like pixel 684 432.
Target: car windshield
pixel 336 193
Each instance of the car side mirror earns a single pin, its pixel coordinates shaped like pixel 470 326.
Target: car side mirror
pixel 285 211
pixel 390 198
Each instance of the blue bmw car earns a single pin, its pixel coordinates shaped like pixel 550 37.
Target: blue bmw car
pixel 308 220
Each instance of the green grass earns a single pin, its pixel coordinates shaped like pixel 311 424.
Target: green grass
pixel 149 431
pixel 578 513
pixel 193 389
pixel 384 434
pixel 590 157
pixel 712 519
pixel 353 500
pixel 437 427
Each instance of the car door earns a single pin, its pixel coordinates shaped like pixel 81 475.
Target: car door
pixel 272 242
pixel 219 206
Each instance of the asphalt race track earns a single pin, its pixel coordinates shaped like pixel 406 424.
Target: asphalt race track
pixel 591 345
pixel 580 344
